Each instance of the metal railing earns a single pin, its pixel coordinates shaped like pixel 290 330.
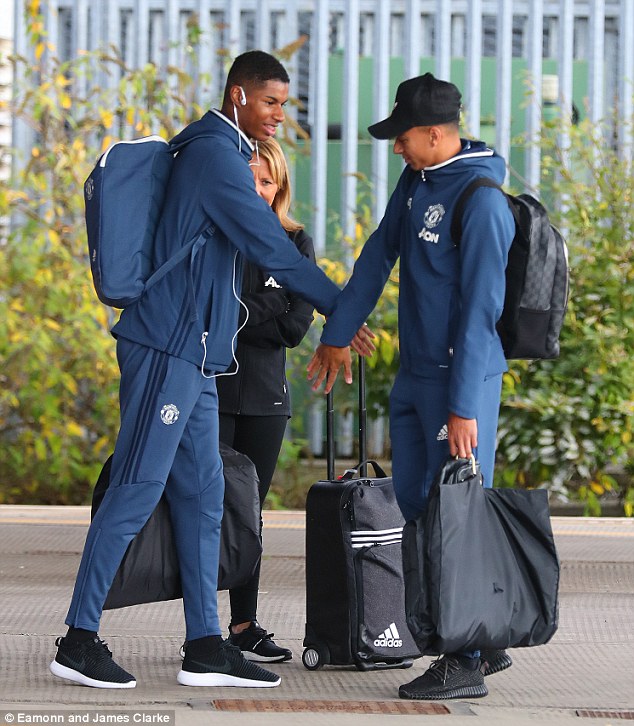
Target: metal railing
pixel 599 32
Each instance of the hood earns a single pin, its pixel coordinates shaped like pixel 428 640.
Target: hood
pixel 212 123
pixel 475 156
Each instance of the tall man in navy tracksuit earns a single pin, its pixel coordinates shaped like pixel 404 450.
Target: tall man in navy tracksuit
pixel 170 345
pixel 446 395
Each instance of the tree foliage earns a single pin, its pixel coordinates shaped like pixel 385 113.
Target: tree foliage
pixel 58 379
pixel 567 424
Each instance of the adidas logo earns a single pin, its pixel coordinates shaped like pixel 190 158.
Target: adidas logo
pixel 389 639
pixel 442 434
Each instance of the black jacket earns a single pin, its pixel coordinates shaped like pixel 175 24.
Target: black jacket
pixel 278 319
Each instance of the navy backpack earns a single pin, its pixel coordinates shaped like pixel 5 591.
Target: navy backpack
pixel 124 197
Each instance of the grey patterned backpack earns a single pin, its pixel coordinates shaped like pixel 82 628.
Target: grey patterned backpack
pixel 537 277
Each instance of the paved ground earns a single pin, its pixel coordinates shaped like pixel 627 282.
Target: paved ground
pixel 585 675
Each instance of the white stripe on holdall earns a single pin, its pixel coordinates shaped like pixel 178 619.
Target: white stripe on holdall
pixel 372 536
pixel 361 532
pixel 364 538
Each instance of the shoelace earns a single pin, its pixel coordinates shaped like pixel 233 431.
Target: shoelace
pixel 441 668
pixel 100 645
pixel 231 649
pixel 262 635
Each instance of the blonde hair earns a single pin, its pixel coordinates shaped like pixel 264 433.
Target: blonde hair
pixel 272 153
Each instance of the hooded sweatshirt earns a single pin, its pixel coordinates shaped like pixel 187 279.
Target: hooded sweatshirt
pixel 449 298
pixel 192 312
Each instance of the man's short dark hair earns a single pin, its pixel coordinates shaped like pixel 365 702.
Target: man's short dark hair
pixel 257 68
pixel 452 125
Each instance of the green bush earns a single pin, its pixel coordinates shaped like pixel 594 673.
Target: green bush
pixel 59 377
pixel 567 424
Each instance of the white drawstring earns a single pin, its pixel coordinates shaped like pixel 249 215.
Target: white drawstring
pixel 235 116
pixel 203 340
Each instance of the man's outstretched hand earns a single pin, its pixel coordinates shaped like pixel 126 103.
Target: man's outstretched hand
pixel 362 341
pixel 325 364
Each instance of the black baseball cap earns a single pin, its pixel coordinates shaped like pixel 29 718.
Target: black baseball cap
pixel 420 101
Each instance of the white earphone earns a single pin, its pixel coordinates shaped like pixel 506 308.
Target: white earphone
pixel 243 97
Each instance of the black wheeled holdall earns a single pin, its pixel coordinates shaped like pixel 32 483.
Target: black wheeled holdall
pixel 355 596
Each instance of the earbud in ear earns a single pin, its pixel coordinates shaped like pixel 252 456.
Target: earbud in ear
pixel 243 97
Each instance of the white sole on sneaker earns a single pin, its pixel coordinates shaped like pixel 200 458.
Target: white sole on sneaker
pixel 255 658
pixel 187 678
pixel 62 671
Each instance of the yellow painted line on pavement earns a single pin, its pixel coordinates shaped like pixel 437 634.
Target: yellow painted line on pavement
pixel 300 525
pixel 44 520
pixel 79 516
pixel 86 522
pixel 591 533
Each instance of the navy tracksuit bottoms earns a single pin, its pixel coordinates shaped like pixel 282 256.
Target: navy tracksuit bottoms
pixel 418 431
pixel 169 422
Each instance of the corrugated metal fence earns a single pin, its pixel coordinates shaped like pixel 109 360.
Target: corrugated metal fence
pixel 599 32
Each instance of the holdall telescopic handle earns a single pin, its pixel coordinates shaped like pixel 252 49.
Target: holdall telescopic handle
pixel 330 427
pixel 363 420
pixel 330 435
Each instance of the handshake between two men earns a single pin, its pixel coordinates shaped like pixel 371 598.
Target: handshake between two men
pixel 462 433
pixel 328 359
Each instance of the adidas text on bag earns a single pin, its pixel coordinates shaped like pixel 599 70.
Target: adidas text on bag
pixel 124 197
pixel 389 639
pixel 537 277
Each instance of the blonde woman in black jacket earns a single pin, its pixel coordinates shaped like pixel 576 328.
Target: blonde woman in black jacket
pixel 254 403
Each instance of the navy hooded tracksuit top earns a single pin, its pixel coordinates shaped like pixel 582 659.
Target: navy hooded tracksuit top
pixel 449 299
pixel 197 296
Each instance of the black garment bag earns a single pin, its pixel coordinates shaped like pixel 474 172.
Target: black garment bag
pixel 149 571
pixel 481 568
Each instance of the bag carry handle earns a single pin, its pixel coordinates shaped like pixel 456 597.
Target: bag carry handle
pixel 362 470
pixel 455 470
pixel 471 458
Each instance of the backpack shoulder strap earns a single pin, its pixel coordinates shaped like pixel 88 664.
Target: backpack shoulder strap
pixel 456 221
pixel 190 248
pixel 197 241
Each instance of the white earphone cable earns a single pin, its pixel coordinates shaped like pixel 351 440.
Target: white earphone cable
pixel 203 340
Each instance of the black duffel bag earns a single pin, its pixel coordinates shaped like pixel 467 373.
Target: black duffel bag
pixel 149 571
pixel 481 569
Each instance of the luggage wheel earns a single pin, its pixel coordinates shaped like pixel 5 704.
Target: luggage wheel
pixel 314 657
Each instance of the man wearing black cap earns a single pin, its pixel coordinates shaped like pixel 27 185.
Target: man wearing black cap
pixel 446 395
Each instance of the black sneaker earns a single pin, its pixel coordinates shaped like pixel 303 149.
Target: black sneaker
pixel 258 645
pixel 225 667
pixel 495 661
pixel 446 678
pixel 90 664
